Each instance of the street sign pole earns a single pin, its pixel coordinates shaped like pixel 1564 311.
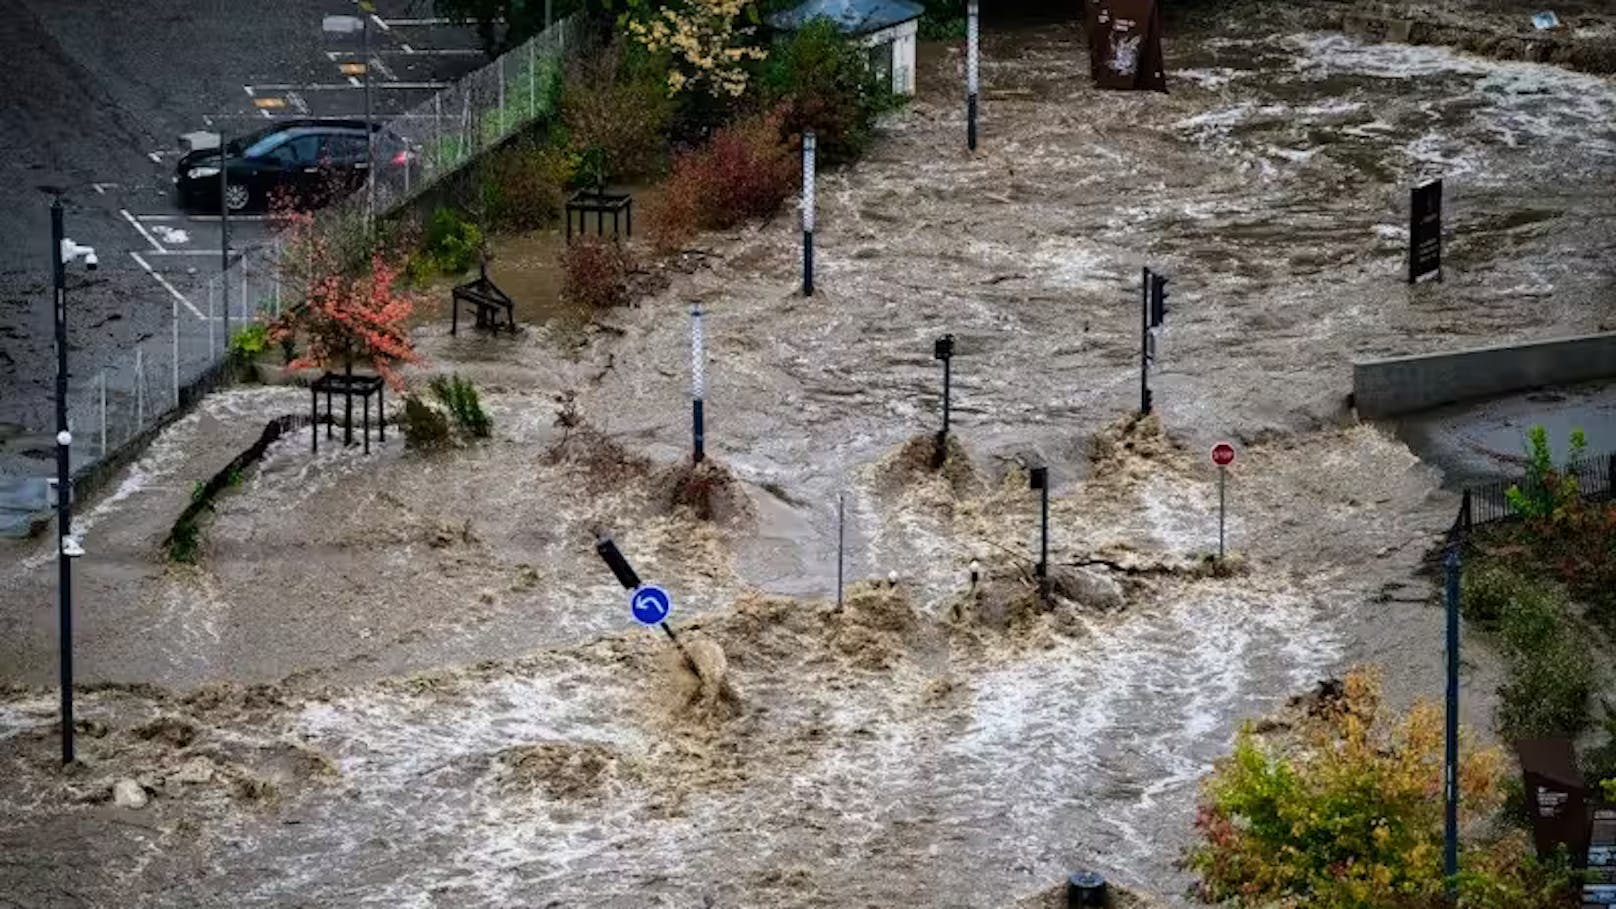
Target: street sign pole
pixel 1223 473
pixel 841 542
pixel 1144 342
pixel 64 482
pixel 1222 456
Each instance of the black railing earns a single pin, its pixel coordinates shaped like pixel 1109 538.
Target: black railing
pixel 1595 477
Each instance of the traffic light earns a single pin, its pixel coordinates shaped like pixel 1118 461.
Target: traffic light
pixel 1158 299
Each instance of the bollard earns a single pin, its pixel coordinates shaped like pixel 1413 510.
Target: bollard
pixel 1086 888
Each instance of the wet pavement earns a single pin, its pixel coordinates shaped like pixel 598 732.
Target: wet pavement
pixel 439 630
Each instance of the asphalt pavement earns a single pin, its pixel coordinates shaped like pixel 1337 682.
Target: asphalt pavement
pixel 97 97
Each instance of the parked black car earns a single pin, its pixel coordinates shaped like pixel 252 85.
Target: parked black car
pixel 312 162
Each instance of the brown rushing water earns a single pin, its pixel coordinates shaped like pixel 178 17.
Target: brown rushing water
pixel 887 754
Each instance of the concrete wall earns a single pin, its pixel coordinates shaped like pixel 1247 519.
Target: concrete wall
pixel 1397 385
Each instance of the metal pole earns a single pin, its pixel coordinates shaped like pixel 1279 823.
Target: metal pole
pixel 533 68
pixel 1043 539
pixel 809 145
pixel 174 319
pixel 1450 845
pixel 972 41
pixel 1222 475
pixel 948 386
pixel 841 543
pixel 103 413
pixel 1144 343
pixel 140 390
pixel 499 66
pixel 370 124
pixel 224 239
pixel 698 382
pixel 546 15
pixel 64 487
pixel 211 345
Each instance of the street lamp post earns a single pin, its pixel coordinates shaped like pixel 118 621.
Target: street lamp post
pixel 63 251
pixel 972 42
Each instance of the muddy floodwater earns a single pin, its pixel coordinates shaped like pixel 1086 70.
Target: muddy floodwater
pixel 405 680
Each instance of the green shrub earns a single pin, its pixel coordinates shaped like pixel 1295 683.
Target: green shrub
pixel 425 428
pixel 1545 492
pixel 247 343
pixel 1551 669
pixel 452 244
pixel 185 543
pixel 818 78
pixel 460 397
pixel 523 186
pixel 616 105
pixel 1348 818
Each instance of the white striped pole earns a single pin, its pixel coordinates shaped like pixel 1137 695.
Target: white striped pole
pixel 698 383
pixel 972 41
pixel 809 148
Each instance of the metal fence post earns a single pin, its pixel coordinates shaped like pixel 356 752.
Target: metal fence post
pixel 211 347
pixel 174 317
pixel 533 78
pixel 103 413
pixel 500 74
pixel 1610 476
pixel 140 390
pixel 437 131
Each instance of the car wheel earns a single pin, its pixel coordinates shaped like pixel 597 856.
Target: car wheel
pixel 237 197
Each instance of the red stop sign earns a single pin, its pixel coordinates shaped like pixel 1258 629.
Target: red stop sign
pixel 1223 454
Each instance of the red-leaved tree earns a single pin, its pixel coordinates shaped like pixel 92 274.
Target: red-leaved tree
pixel 350 306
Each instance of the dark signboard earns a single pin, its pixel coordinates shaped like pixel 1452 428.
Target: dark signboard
pixel 1425 232
pixel 1555 796
pixel 1125 45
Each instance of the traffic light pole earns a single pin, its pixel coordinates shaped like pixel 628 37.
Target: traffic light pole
pixel 1144 343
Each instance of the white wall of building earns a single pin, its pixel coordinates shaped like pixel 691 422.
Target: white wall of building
pixel 901 40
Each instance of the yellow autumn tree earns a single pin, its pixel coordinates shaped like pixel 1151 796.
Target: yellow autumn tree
pixel 1350 816
pixel 706 41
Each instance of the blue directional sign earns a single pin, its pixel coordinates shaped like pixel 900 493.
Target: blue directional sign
pixel 650 605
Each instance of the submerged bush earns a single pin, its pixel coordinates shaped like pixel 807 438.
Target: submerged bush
pixel 460 397
pixel 745 172
pixel 594 273
pixel 425 428
pixel 617 104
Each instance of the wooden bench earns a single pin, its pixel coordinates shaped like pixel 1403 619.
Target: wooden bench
pixel 489 300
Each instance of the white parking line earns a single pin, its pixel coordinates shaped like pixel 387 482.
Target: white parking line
pixel 382 23
pixel 156 159
pixel 340 86
pixel 191 252
pixel 354 80
pixel 382 68
pixel 428 21
pixel 408 51
pixel 140 229
pixel 166 286
pixel 200 217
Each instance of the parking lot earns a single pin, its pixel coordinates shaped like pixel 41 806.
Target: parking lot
pixel 104 98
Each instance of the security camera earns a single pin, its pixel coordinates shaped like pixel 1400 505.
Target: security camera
pixel 90 261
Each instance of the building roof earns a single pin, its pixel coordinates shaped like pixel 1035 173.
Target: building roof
pixel 857 17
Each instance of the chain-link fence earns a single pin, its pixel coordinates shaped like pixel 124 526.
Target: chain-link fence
pixel 114 409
